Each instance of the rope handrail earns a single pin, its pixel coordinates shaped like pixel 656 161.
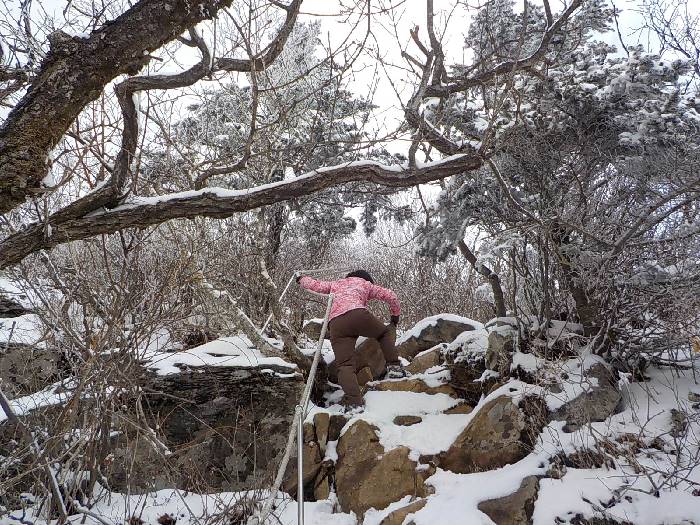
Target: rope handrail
pixel 296 429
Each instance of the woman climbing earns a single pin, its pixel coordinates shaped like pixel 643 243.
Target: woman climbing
pixel 349 319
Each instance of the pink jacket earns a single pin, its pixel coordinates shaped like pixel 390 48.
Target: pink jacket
pixel 352 293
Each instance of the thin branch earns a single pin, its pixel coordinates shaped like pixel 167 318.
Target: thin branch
pixel 509 66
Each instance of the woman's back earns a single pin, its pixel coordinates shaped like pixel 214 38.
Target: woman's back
pixel 351 293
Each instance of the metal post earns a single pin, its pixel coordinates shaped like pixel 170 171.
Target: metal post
pixel 299 416
pixel 300 467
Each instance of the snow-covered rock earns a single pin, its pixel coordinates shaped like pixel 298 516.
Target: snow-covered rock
pixel 427 333
pixel 466 361
pixel 499 433
pixel 414 384
pixel 515 508
pixel 501 346
pixel 369 362
pixel 312 329
pixel 26 369
pixel 11 308
pixel 427 359
pixel 398 517
pixel 598 402
pixel 224 429
pixel 367 476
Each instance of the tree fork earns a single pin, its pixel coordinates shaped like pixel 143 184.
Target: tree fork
pixel 491 276
pixel 73 74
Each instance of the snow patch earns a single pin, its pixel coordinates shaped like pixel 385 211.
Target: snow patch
pixel 236 351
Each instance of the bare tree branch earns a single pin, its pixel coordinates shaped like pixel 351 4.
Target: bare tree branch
pixel 271 52
pixel 510 66
pixel 220 203
pixel 86 66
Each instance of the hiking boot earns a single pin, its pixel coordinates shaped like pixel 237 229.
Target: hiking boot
pixel 395 371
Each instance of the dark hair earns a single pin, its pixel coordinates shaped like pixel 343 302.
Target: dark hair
pixel 362 274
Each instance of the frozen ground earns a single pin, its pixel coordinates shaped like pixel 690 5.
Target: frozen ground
pixel 654 483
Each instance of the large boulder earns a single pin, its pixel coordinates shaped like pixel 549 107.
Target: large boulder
pixel 427 359
pixel 431 331
pixel 499 322
pixel 312 460
pixel 501 433
pixel 25 369
pixel 322 424
pixel 369 355
pixel 466 361
pixel 501 346
pixel 515 508
pixel 399 515
pixel 368 477
pixel 312 329
pixel 597 404
pixel 225 430
pixel 11 308
pixel 369 361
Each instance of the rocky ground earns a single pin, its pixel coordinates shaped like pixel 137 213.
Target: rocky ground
pixel 482 432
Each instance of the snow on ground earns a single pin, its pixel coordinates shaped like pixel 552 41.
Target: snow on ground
pixel 23 329
pixel 577 382
pixel 623 492
pixel 383 407
pixel 473 340
pixel 585 492
pixel 432 321
pixel 55 394
pixel 326 351
pixel 188 508
pixel 235 351
pixel 527 362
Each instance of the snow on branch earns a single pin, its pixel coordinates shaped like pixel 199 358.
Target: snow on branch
pixel 141 212
pixel 508 67
pixel 88 64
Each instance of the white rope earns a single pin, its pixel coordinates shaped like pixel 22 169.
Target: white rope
pixel 299 415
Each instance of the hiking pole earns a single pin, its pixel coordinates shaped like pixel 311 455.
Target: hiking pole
pixel 304 409
pixel 300 466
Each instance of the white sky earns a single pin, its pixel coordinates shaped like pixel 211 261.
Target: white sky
pixel 451 23
pixel 389 37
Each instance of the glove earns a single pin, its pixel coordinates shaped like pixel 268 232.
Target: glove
pixel 395 320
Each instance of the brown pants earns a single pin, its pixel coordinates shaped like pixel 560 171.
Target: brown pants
pixel 345 329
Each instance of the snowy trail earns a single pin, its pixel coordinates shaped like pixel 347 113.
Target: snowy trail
pixel 456 497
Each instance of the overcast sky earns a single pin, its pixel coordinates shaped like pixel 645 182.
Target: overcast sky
pixel 452 24
pixel 389 37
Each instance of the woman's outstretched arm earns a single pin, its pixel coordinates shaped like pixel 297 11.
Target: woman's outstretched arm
pixel 314 285
pixel 388 296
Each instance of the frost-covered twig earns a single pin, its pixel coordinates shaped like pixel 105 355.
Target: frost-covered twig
pixel 36 451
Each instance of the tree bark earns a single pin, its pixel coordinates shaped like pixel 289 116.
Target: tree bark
pixel 587 309
pixel 491 276
pixel 74 73
pixel 218 203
